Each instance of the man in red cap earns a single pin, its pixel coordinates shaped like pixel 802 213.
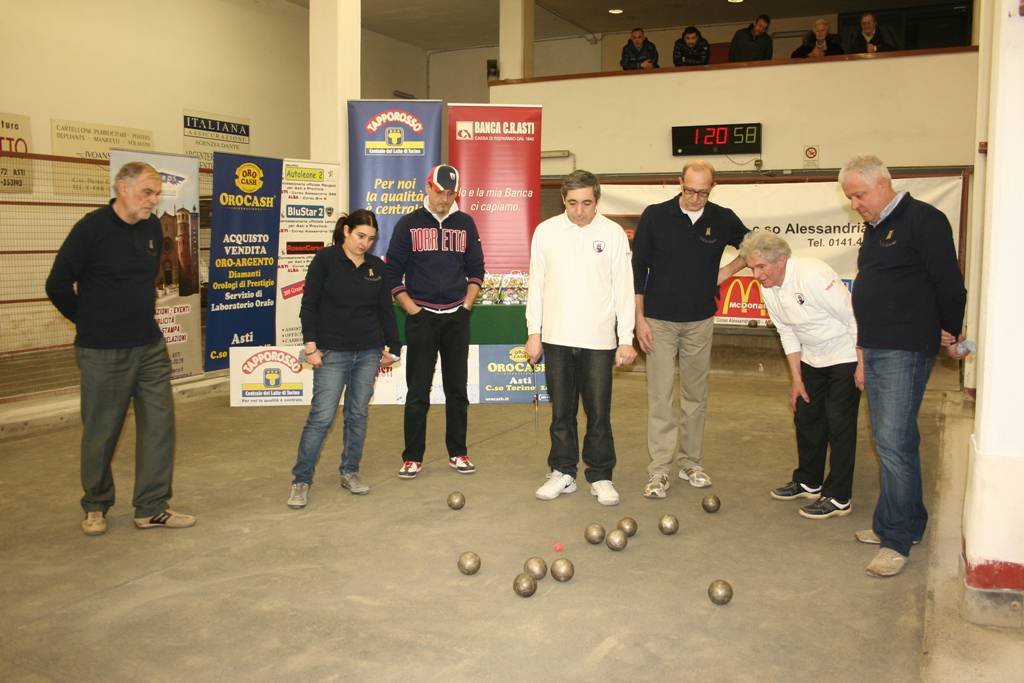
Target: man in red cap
pixel 435 267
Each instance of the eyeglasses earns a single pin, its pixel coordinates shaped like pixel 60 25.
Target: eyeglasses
pixel 689 192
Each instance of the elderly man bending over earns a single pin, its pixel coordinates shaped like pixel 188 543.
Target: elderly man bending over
pixel 810 307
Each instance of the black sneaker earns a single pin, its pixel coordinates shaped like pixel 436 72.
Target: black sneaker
pixel 794 490
pixel 826 507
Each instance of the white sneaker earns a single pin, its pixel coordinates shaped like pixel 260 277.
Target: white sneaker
pixel 556 485
pixel 696 476
pixel 605 492
pixel 299 497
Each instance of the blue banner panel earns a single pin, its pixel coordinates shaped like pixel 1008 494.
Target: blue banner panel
pixel 507 377
pixel 392 144
pixel 243 255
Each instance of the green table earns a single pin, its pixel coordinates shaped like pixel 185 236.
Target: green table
pixel 489 324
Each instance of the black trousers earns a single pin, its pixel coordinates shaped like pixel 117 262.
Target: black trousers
pixel 573 373
pixel 830 419
pixel 427 335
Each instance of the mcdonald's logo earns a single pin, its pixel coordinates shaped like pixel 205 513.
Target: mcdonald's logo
pixel 750 304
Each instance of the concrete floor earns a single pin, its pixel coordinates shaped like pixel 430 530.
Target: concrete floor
pixel 366 588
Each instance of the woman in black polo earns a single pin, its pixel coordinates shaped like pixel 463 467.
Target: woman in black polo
pixel 347 320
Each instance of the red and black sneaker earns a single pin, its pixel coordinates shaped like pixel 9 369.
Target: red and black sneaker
pixel 462 464
pixel 410 468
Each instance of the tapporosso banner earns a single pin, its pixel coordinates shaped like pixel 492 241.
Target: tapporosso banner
pixel 177 284
pixel 275 375
pixel 392 144
pixel 814 218
pixel 243 255
pixel 497 151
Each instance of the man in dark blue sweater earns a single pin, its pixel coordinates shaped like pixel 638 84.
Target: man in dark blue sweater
pixel 113 255
pixel 638 54
pixel 436 249
pixel 752 44
pixel 908 300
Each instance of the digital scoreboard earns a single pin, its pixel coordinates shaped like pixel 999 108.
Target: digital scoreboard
pixel 716 138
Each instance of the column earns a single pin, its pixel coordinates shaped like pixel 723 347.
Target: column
pixel 335 44
pixel 993 508
pixel 515 39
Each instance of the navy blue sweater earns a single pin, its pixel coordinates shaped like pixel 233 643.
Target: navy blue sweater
pixel 675 263
pixel 437 261
pixel 345 307
pixel 114 266
pixel 909 286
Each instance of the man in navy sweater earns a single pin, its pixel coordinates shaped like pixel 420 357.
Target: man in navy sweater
pixel 908 300
pixel 112 255
pixel 436 249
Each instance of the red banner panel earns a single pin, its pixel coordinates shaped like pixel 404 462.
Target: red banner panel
pixel 740 297
pixel 497 151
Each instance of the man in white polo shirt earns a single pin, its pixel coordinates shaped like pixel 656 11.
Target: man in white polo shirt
pixel 580 316
pixel 810 307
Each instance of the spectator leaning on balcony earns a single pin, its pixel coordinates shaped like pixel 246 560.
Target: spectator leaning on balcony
pixel 638 53
pixel 818 43
pixel 752 44
pixel 871 38
pixel 692 49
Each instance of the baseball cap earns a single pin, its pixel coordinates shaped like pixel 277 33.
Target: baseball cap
pixel 444 177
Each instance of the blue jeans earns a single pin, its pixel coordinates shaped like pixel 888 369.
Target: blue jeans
pixel 895 381
pixel 574 373
pixel 356 370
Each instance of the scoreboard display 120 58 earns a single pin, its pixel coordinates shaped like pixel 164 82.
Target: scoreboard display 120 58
pixel 716 138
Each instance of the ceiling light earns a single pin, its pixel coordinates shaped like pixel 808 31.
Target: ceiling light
pixel 735 2
pixel 615 11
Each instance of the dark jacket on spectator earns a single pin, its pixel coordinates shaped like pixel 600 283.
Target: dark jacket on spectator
pixel 689 56
pixel 832 46
pixel 882 42
pixel 746 48
pixel 633 58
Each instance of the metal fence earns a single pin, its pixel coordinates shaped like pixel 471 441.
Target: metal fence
pixel 41 197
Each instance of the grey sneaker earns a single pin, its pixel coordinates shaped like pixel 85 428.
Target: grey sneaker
pixel 887 563
pixel 299 497
pixel 657 487
pixel 94 523
pixel 352 482
pixel 696 476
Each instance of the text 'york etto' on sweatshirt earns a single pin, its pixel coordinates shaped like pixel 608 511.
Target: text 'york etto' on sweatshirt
pixel 437 257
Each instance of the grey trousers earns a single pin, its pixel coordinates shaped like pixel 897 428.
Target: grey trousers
pixel 677 432
pixel 110 379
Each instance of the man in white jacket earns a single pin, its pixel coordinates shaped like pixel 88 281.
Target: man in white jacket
pixel 810 307
pixel 580 316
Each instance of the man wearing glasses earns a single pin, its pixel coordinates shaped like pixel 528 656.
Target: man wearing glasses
pixel 677 251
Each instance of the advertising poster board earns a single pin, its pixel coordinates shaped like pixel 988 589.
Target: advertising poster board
pixel 177 286
pixel 242 293
pixel 497 151
pixel 309 210
pixel 392 146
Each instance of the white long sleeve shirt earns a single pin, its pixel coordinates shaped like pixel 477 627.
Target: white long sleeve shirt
pixel 811 309
pixel 581 284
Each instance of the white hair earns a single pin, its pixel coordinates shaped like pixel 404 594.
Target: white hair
pixel 869 166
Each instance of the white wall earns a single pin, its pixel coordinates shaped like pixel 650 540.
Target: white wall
pixel 665 38
pixel 390 65
pixel 461 75
pixel 139 63
pixel 912 111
